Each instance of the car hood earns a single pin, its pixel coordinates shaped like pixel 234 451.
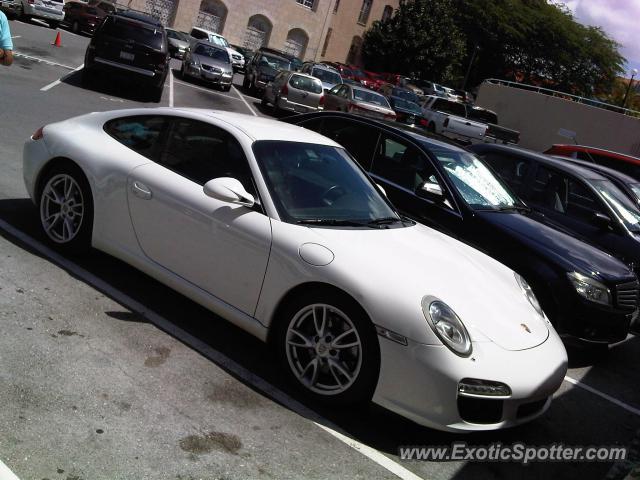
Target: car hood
pixel 328 85
pixel 178 43
pixel 399 266
pixel 234 52
pixel 559 247
pixel 205 60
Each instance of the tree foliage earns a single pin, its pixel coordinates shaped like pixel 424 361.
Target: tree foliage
pixel 533 41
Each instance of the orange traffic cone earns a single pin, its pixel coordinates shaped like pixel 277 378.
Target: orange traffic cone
pixel 57 42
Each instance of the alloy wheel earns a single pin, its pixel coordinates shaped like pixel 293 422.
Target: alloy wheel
pixel 61 208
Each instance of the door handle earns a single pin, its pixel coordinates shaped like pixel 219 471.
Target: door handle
pixel 140 190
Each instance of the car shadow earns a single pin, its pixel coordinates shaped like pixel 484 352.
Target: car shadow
pixel 110 86
pixel 568 421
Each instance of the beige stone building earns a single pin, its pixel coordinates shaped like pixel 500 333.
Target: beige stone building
pixel 310 29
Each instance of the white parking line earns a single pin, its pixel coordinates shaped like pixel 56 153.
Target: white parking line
pixel 42 60
pixel 207 351
pixel 615 401
pixel 171 87
pixel 207 90
pixel 61 79
pixel 245 101
pixel 17 36
pixel 6 474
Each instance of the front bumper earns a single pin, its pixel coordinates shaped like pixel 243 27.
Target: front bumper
pixel 217 78
pixel 420 382
pixel 44 13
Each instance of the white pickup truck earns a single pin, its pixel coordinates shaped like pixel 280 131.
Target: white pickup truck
pixel 449 118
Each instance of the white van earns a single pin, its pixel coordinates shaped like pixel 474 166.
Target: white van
pixel 237 59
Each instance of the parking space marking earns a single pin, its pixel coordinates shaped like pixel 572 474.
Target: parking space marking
pixel 17 36
pixel 61 79
pixel 207 90
pixel 245 101
pixel 615 401
pixel 207 351
pixel 171 87
pixel 42 60
pixel 6 473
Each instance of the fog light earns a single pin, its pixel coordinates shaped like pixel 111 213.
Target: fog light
pixel 484 388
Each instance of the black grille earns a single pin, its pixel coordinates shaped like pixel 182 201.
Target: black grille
pixel 627 295
pixel 480 410
pixel 527 409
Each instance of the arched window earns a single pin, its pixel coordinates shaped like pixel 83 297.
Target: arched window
pixel 353 57
pixel 212 15
pixel 258 32
pixel 387 12
pixel 296 43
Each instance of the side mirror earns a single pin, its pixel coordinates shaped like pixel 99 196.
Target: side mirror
pixel 228 190
pixel 601 220
pixel 431 190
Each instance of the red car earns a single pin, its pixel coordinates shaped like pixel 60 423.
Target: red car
pixel 345 72
pixel 618 161
pixel 375 80
pixel 86 17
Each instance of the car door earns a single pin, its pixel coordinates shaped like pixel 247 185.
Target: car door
pixel 569 203
pixel 514 171
pixel 220 247
pixel 330 99
pixel 402 169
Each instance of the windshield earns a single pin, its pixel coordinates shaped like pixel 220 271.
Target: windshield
pixel 475 182
pixel 406 105
pixel 275 62
pixel 218 40
pixel 405 94
pixel 635 188
pixel 370 97
pixel 177 35
pixel 212 52
pixel 619 203
pixel 118 28
pixel 327 76
pixel 318 182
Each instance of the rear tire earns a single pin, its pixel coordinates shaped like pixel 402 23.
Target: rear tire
pixel 156 94
pixel 328 347
pixel 87 78
pixel 66 208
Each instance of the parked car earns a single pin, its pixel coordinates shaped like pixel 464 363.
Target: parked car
pixel 178 43
pixel 246 54
pixel 587 294
pixel 83 17
pixel 375 81
pixel 624 163
pixel 579 200
pixel 294 92
pixel 329 76
pixel 389 90
pixel 237 59
pixel 281 233
pixel 262 69
pixel 296 63
pixel 51 11
pixel 430 88
pixel 132 46
pixel 208 62
pixel 344 71
pixel 465 123
pixel 464 96
pixel 402 81
pixel 407 112
pixel 359 100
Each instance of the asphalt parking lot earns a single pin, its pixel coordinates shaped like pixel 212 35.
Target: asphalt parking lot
pixel 106 374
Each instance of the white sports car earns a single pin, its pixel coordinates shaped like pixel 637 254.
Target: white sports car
pixel 278 230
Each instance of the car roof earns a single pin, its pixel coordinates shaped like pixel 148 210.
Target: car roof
pixel 601 169
pixel 585 148
pixel 196 41
pixel 138 16
pixel 568 167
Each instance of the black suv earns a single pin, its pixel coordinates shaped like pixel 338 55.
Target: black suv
pixel 131 45
pixel 586 293
pixel 263 68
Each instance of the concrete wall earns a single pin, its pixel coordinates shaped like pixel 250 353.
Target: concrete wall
pixel 538 117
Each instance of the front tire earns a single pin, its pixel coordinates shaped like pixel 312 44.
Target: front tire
pixel 329 347
pixel 66 208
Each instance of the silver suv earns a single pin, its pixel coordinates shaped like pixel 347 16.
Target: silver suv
pixel 329 76
pixel 51 11
pixel 294 92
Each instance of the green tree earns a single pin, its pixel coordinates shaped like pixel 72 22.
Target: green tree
pixel 420 38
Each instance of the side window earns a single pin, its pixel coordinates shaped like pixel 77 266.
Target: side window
pixel 201 152
pixel 582 203
pixel 314 124
pixel 198 34
pixel 402 164
pixel 547 189
pixel 511 169
pixel 141 134
pixel 358 139
pixel 335 90
pixel 631 169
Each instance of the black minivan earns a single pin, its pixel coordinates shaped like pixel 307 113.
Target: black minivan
pixel 587 294
pixel 132 46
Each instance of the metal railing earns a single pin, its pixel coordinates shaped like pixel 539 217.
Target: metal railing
pixel 566 96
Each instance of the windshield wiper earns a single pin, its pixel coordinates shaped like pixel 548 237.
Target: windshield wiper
pixel 330 222
pixel 384 221
pixel 515 208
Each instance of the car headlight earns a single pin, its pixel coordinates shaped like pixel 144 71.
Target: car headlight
pixel 447 326
pixel 589 288
pixel 528 293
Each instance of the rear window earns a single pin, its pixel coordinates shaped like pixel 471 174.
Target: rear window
pixel 451 108
pixel 326 75
pixel 405 95
pixel 307 84
pixel 125 30
pixel 91 10
pixel 484 116
pixel 212 52
pixel 199 34
pixel 370 97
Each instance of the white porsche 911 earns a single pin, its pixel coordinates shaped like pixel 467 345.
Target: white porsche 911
pixel 277 229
